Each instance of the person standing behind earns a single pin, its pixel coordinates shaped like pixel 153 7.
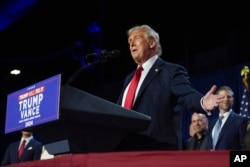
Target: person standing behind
pixel 162 92
pixel 199 124
pixel 247 137
pixel 233 126
pixel 32 150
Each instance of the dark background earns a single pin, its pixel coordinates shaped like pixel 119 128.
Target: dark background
pixel 47 37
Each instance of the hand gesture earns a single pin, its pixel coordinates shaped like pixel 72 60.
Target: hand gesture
pixel 210 100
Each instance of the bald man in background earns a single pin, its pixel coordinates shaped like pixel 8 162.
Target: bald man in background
pixel 199 126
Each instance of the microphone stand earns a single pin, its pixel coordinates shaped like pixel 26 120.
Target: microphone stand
pixel 80 70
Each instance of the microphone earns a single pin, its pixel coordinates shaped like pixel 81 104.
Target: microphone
pixel 105 54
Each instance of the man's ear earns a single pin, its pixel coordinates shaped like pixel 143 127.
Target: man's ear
pixel 152 43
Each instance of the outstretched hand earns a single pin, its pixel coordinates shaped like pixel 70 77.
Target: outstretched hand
pixel 210 100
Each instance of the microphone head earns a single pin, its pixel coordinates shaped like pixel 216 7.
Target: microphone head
pixel 102 55
pixel 114 53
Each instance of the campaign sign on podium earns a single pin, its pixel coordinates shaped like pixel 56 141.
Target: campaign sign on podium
pixel 69 120
pixel 33 105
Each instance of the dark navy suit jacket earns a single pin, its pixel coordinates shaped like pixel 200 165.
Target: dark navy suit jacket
pixel 31 152
pixel 232 133
pixel 162 95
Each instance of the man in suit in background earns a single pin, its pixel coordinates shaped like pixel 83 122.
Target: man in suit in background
pixel 199 126
pixel 32 150
pixel 233 126
pixel 162 92
pixel 247 137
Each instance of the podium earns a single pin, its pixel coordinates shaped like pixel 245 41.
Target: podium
pixel 88 123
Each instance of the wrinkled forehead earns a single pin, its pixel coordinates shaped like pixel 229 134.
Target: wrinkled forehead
pixel 198 116
pixel 136 32
pixel 225 93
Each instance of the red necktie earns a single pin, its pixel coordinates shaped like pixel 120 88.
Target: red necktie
pixel 21 149
pixel 132 88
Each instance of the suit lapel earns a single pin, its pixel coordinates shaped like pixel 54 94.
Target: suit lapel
pixel 153 72
pixel 26 149
pixel 226 126
pixel 210 139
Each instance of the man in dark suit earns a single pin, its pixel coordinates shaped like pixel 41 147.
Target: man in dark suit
pixel 162 92
pixel 32 150
pixel 233 126
pixel 199 126
pixel 247 137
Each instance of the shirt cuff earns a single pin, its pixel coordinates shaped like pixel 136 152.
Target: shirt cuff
pixel 208 112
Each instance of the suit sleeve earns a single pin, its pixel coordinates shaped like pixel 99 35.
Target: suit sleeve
pixel 183 90
pixel 38 151
pixel 6 158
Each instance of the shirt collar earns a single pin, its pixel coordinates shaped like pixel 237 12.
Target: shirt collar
pixel 226 114
pixel 27 139
pixel 149 63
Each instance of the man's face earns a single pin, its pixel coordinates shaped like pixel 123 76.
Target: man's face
pixel 199 123
pixel 227 101
pixel 139 46
pixel 26 133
